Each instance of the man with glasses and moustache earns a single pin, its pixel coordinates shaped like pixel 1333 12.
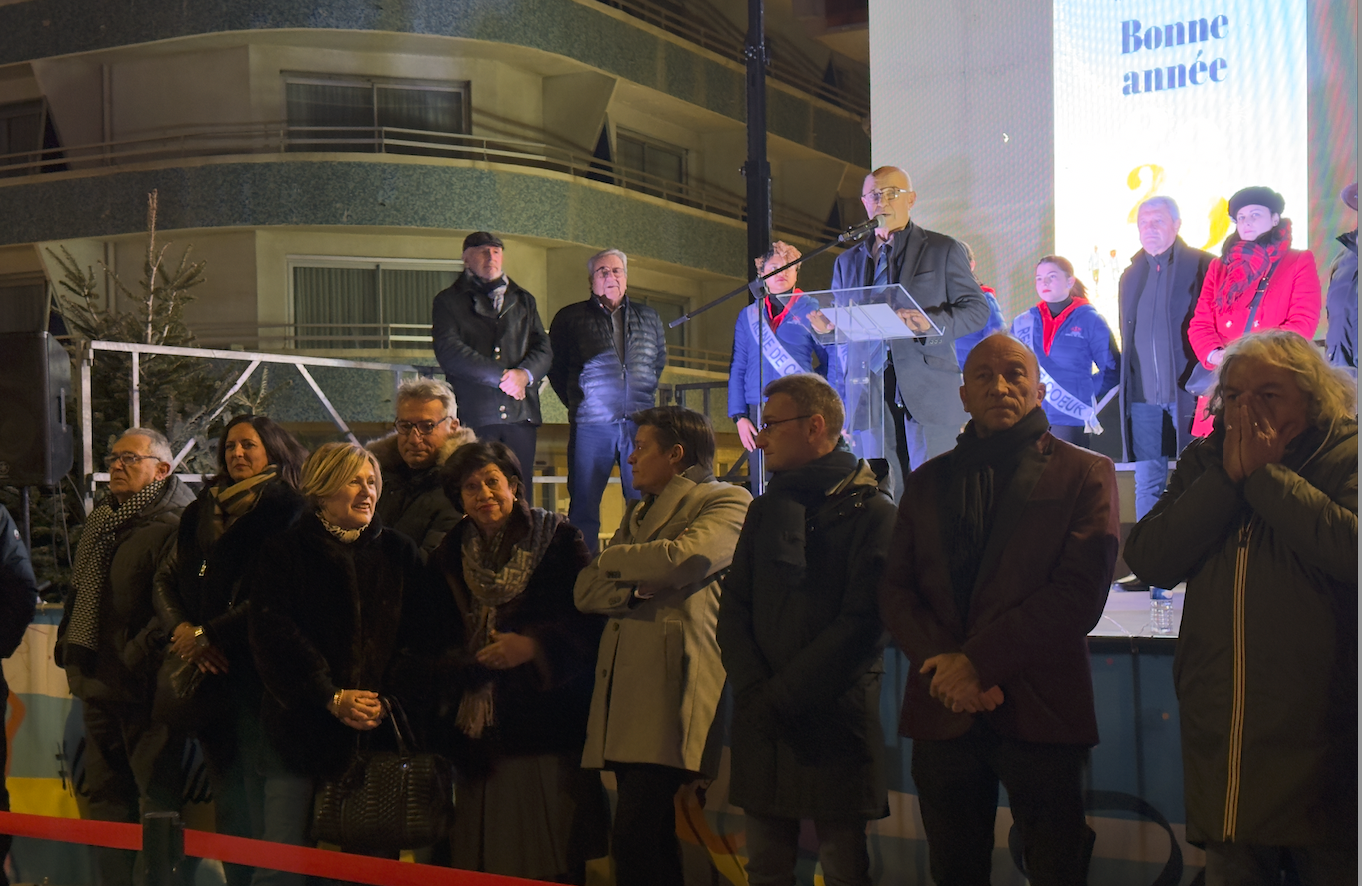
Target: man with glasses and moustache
pixel 426 433
pixel 492 346
pixel 111 643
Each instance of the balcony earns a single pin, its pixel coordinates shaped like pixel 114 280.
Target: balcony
pixel 700 23
pixel 281 139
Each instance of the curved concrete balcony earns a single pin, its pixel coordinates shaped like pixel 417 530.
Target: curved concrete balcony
pixel 253 177
pixel 606 39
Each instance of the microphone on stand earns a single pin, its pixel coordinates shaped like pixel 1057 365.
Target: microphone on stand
pixel 856 232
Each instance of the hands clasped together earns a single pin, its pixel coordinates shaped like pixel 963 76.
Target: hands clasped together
pixel 956 684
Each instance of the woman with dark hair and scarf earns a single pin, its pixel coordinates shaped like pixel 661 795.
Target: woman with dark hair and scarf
pixel 1258 279
pixel 203 603
pixel 523 660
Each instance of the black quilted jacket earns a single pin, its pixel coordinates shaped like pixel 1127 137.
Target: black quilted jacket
pixel 586 372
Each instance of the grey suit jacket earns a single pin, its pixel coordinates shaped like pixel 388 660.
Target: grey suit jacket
pixel 935 270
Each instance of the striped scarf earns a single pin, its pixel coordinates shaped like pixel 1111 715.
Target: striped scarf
pixel 94 555
pixel 230 502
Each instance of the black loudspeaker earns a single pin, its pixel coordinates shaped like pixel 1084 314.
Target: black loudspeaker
pixel 36 443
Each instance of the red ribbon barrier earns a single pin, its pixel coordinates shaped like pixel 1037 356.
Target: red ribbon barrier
pixel 255 853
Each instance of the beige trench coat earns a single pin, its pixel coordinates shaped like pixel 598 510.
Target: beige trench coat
pixel 658 675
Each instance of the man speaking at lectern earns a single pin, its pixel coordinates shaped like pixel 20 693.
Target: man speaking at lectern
pixel 921 380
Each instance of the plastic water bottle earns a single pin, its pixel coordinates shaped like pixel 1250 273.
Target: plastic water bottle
pixel 1161 610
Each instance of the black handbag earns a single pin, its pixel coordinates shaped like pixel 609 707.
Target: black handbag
pixel 387 800
pixel 1202 380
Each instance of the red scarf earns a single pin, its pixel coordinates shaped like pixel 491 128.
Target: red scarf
pixel 1050 325
pixel 1246 261
pixel 777 319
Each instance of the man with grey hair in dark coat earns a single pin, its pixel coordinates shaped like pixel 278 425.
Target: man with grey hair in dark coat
pixel 111 643
pixel 426 433
pixel 1158 294
pixel 801 638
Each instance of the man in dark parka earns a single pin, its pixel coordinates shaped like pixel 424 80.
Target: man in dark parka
pixel 802 642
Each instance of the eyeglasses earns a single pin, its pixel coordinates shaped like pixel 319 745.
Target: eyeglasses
pixel 608 272
pixel 126 459
pixel 766 426
pixel 425 428
pixel 885 195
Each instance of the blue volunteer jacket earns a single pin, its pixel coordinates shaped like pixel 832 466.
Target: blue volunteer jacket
pixel 744 389
pixel 1082 341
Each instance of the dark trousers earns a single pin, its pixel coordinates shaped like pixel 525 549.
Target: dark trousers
pixel 520 437
pixel 1070 434
pixel 773 850
pixel 132 766
pixel 1251 864
pixel 593 449
pixel 643 841
pixel 957 782
pixel 1149 424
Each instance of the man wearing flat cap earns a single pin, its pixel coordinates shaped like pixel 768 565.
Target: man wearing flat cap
pixel 493 348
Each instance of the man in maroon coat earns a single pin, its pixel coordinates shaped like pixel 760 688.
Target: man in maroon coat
pixel 1000 565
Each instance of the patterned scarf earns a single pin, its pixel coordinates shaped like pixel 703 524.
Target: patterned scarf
pixel 1246 261
pixel 496 573
pixel 233 501
pixel 345 536
pixel 94 555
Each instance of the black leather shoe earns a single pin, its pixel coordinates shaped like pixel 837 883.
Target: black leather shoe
pixel 1131 583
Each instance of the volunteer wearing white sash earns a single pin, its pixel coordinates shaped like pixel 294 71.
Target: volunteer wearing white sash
pixel 1069 338
pixel 786 342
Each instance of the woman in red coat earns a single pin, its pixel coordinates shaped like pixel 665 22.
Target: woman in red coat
pixel 1260 245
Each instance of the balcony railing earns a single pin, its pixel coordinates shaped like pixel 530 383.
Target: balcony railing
pixel 382 336
pixel 698 22
pixel 280 139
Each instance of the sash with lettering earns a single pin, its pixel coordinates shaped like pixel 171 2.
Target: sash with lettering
pixel 771 348
pixel 1025 328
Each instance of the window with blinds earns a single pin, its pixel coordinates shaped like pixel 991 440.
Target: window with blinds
pixel 365 303
pixel 373 115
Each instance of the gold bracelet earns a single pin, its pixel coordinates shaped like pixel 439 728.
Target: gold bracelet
pixel 336 700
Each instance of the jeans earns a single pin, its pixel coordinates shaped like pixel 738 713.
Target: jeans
pixel 593 449
pixel 1070 434
pixel 1146 449
pixel 1251 864
pixel 773 849
pixel 957 781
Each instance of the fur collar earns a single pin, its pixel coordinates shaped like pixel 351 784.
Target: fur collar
pixel 389 459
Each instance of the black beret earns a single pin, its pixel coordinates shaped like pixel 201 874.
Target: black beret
pixel 1257 196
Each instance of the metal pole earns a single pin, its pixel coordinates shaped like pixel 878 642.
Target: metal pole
pixel 136 398
pixel 87 422
pixel 756 169
pixel 162 846
pixel 28 527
